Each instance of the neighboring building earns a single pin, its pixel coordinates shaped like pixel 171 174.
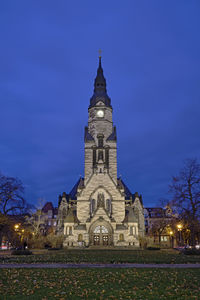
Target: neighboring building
pixel 159 226
pixel 49 216
pixel 44 220
pixel 100 210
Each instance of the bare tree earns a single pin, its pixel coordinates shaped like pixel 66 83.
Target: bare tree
pixel 185 190
pixel 12 201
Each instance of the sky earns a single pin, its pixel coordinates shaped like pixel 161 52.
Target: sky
pixel 48 62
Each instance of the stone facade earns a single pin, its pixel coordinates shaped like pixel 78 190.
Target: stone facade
pixel 100 210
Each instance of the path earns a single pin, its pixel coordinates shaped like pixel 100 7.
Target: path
pixel 88 265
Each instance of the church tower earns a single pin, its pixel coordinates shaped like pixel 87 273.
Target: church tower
pixel 100 210
pixel 100 134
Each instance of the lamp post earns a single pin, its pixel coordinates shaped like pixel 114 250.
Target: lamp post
pixel 171 239
pixel 180 226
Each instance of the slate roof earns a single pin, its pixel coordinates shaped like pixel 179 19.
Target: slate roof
pixel 88 136
pixel 130 216
pixel 100 92
pixel 157 212
pixel 127 192
pixel 100 96
pixel 80 183
pixel 113 136
pixel 48 206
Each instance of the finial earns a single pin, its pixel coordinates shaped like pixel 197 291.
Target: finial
pixel 100 52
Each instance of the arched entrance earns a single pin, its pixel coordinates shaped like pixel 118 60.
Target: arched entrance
pixel 100 235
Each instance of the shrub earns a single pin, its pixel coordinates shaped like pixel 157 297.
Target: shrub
pixel 21 252
pixel 153 248
pixel 54 241
pixel 192 251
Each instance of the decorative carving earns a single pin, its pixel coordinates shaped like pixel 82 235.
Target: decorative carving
pixel 100 200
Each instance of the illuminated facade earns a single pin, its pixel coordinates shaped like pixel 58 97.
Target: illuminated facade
pixel 100 210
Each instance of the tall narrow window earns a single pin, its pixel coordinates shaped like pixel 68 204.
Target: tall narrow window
pixel 107 157
pixel 121 237
pixel 100 155
pixel 92 206
pixel 70 230
pixel 94 157
pixel 100 141
pixel 108 206
pixel 131 230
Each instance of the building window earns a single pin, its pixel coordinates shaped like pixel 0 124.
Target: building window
pixel 70 230
pixel 107 157
pixel 100 229
pixel 80 237
pixel 100 155
pixel 131 230
pixel 92 206
pixel 94 157
pixel 163 238
pixel 100 141
pixel 108 206
pixel 121 237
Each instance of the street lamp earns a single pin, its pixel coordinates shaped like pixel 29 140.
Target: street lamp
pixel 180 226
pixel 171 238
pixel 16 227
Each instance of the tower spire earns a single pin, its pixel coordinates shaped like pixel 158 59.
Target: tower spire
pixel 100 52
pixel 100 86
pixel 100 82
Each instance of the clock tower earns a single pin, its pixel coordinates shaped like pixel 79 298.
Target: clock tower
pixel 100 210
pixel 100 134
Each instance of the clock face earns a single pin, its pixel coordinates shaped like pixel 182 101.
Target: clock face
pixel 100 113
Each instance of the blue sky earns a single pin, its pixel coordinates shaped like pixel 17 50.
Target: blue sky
pixel 48 62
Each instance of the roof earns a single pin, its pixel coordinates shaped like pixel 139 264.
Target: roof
pixel 79 184
pixel 88 136
pixel 48 206
pixel 100 92
pixel 130 216
pixel 127 192
pixel 113 136
pixel 156 212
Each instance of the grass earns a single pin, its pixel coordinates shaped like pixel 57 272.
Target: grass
pixel 103 256
pixel 99 284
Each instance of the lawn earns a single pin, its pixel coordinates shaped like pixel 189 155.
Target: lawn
pixel 99 284
pixel 103 256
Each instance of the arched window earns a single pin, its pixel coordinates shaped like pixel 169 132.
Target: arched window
pixel 121 237
pixel 100 229
pixel 92 206
pixel 100 141
pixel 70 230
pixel 80 237
pixel 108 206
pixel 100 155
pixel 131 230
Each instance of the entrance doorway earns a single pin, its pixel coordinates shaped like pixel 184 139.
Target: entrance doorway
pixel 96 239
pixel 101 236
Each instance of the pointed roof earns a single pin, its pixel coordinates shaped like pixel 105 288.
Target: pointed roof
pixel 113 136
pixel 48 206
pixel 100 92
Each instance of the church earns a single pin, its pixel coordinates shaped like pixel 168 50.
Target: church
pixel 100 210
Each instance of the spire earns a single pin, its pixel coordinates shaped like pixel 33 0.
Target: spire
pixel 100 91
pixel 100 82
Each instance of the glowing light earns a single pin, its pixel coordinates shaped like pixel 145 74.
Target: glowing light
pixel 179 226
